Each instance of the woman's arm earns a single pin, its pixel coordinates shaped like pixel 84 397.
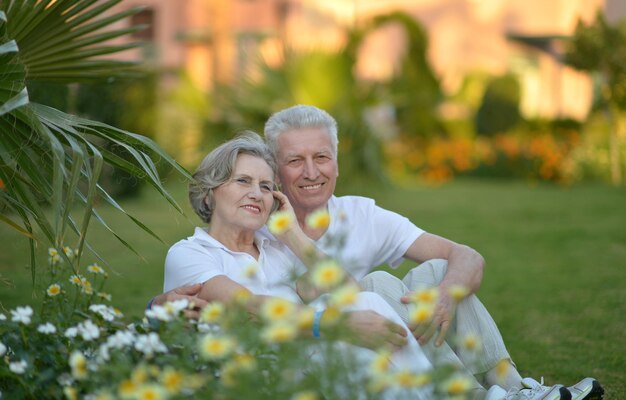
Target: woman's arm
pixel 306 250
pixel 367 328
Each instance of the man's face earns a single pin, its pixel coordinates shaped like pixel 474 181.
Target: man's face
pixel 307 168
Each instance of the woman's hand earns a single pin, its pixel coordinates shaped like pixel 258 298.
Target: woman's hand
pixel 283 203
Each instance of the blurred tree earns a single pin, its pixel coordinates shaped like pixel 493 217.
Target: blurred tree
pixel 129 104
pixel 327 80
pixel 601 49
pixel 413 89
pixel 499 109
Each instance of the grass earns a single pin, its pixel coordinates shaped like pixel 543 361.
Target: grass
pixel 555 280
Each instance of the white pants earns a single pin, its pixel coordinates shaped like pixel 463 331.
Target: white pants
pixel 409 357
pixel 471 317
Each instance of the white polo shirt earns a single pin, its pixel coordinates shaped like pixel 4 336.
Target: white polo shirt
pixel 363 236
pixel 200 257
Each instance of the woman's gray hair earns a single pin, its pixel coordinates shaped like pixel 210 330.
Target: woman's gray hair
pixel 297 117
pixel 217 168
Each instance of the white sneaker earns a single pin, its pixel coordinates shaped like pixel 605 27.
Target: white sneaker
pixel 536 391
pixel 495 393
pixel 587 389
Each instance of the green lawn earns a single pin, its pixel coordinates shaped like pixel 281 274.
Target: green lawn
pixel 556 264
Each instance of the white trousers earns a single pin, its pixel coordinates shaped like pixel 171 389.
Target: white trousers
pixel 409 357
pixel 471 318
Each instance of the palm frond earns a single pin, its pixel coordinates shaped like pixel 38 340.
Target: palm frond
pixel 50 161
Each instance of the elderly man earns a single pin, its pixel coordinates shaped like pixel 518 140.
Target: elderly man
pixel 304 141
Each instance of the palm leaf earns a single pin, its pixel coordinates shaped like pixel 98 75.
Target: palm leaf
pixel 50 161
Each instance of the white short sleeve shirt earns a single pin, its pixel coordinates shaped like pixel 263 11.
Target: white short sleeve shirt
pixel 373 236
pixel 200 257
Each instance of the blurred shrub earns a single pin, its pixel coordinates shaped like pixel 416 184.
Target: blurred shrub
pixel 129 105
pixel 326 79
pixel 536 156
pixel 499 110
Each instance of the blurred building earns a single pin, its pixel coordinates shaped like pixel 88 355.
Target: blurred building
pixel 220 40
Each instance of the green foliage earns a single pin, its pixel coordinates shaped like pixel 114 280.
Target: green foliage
pixel 600 47
pixel 76 344
pixel 499 110
pixel 48 156
pixel 414 89
pixel 327 80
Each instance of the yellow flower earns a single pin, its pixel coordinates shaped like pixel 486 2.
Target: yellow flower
pixel 458 292
pixel 279 332
pixel 53 290
pixel 327 274
pixel 471 342
pixel 242 296
pixel 344 296
pixel 245 362
pixel 280 222
pixel 502 368
pixel 425 295
pixel 150 392
pixel 126 388
pixel 95 269
pixel 70 393
pixel 331 315
pixel 195 381
pixel 318 219
pixel 87 289
pixel 104 296
pixel 241 362
pixel 276 309
pixel 77 280
pixel 378 384
pixel 381 363
pixel 421 313
pixel 408 379
pixel 212 312
pixel 250 270
pixel 304 319
pixel 172 380
pixel 78 364
pixel 457 385
pixel 55 257
pixel 214 347
pixel 68 252
pixel 227 374
pixel 140 374
pixel 305 395
pixel 104 396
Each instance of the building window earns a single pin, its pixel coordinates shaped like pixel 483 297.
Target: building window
pixel 145 17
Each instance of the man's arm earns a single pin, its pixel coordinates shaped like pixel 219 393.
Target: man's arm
pixel 465 265
pixel 465 268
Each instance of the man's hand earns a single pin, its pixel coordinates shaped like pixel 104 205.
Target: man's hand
pixel 372 330
pixel 184 292
pixel 441 320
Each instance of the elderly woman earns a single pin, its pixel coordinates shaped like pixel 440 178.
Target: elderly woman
pixel 233 192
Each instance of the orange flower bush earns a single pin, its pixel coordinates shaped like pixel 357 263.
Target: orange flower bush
pixel 541 156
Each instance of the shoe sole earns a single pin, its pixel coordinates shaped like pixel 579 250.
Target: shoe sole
pixel 596 392
pixel 565 393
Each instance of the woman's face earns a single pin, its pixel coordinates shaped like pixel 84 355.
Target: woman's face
pixel 245 200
